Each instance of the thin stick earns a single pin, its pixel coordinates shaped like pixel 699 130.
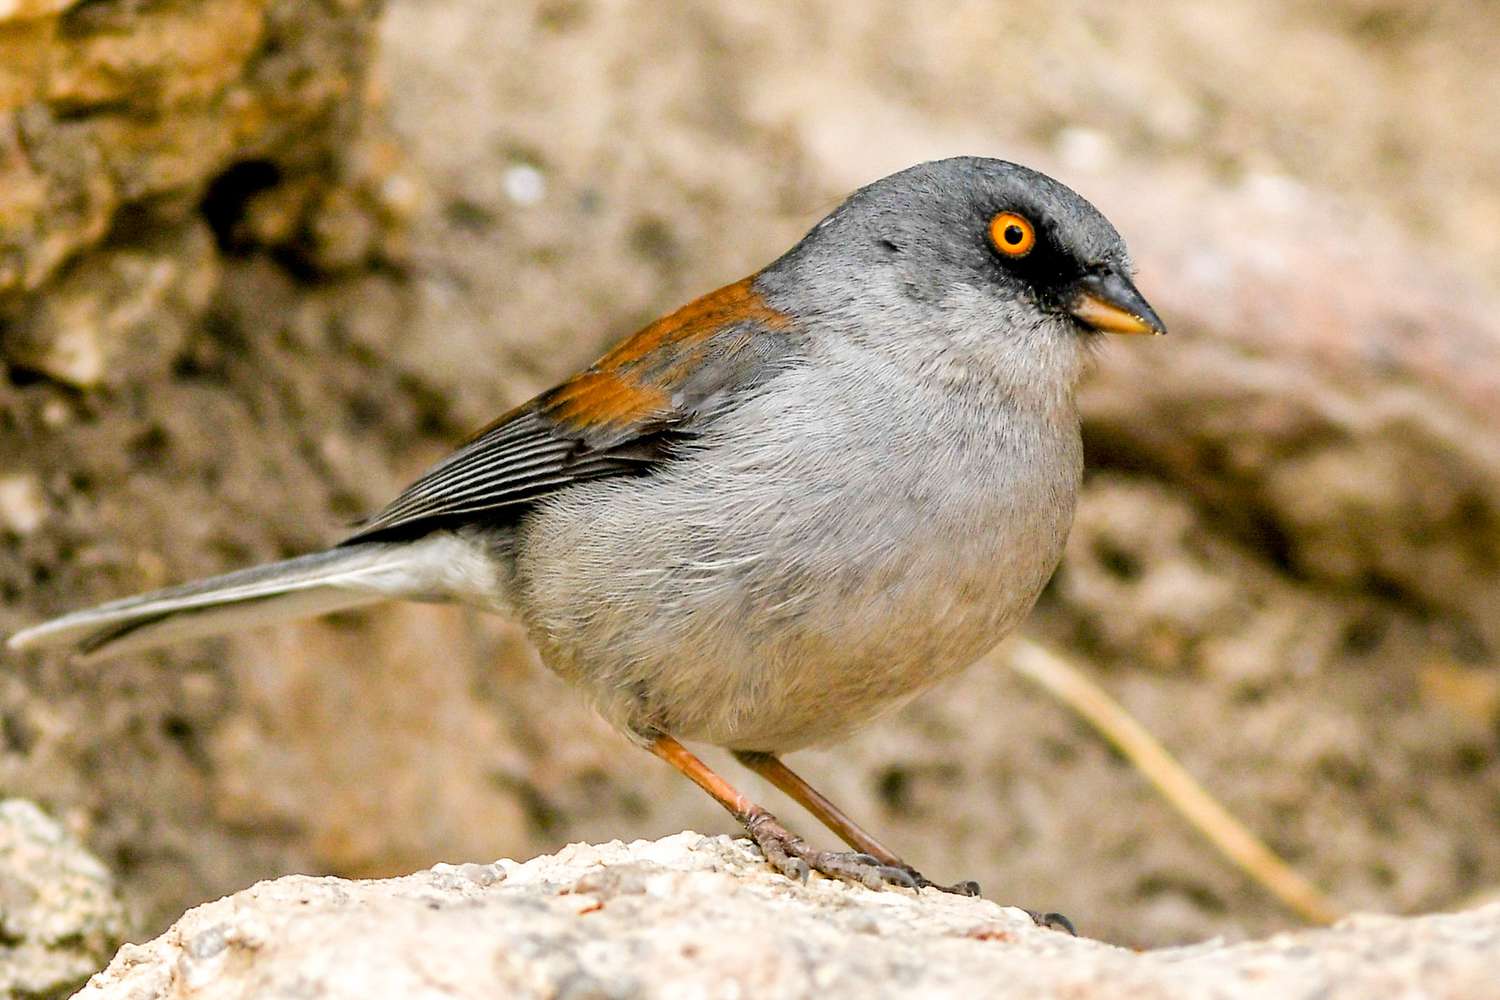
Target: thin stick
pixel 1067 684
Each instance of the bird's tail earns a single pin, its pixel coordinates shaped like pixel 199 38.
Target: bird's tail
pixel 316 584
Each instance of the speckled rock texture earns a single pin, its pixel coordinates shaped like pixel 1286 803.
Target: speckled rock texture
pixel 692 916
pixel 60 915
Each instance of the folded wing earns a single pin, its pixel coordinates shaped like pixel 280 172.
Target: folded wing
pixel 618 417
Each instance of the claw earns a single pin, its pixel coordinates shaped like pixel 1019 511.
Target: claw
pixel 968 887
pixel 898 876
pixel 1053 921
pixel 791 856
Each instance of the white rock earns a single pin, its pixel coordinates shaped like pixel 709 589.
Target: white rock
pixel 693 916
pixel 58 907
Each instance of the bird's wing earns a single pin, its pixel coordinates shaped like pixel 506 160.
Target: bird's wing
pixel 616 417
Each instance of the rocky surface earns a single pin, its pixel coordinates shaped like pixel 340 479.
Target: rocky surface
pixel 234 316
pixel 60 916
pixel 693 916
pixel 118 121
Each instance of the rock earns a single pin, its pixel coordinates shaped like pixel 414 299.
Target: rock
pixel 59 915
pixel 20 10
pixel 22 507
pixel 135 138
pixel 119 314
pixel 693 916
pixel 1325 396
pixel 113 104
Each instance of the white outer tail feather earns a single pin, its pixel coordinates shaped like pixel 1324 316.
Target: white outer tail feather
pixel 442 566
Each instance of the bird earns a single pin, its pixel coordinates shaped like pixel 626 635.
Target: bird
pixel 773 515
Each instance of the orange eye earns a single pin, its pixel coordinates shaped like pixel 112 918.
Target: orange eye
pixel 1012 234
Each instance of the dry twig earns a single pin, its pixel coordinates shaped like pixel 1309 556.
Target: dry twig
pixel 1065 682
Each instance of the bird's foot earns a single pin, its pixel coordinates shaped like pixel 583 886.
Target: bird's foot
pixel 795 858
pixel 1051 920
pixel 968 887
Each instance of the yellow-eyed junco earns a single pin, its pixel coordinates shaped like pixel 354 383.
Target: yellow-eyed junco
pixel 777 512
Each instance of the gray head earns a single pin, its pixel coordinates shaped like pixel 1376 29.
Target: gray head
pixel 973 252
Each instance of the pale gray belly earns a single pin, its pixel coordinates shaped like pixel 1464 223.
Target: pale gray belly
pixel 775 598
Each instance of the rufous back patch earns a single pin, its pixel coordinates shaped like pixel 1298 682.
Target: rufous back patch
pixel 634 381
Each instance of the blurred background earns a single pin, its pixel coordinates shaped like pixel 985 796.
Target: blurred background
pixel 261 261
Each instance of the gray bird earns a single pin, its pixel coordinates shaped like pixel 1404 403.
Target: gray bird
pixel 774 514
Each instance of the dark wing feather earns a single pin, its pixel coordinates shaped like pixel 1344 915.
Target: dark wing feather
pixel 615 418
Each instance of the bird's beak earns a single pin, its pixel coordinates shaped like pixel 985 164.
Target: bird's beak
pixel 1106 301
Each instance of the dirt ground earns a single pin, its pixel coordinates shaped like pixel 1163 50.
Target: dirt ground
pixel 1286 562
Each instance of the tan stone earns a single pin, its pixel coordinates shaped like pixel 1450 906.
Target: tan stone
pixel 23 10
pixel 55 196
pixel 25 52
pixel 166 55
pixel 118 314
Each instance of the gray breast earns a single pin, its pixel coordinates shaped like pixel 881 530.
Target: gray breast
pixel 807 565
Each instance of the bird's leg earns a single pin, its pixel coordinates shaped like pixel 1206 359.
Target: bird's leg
pixel 787 853
pixel 770 767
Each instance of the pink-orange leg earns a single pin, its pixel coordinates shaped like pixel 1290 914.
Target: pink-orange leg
pixel 874 865
pixel 770 767
pixel 786 852
pixel 773 770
